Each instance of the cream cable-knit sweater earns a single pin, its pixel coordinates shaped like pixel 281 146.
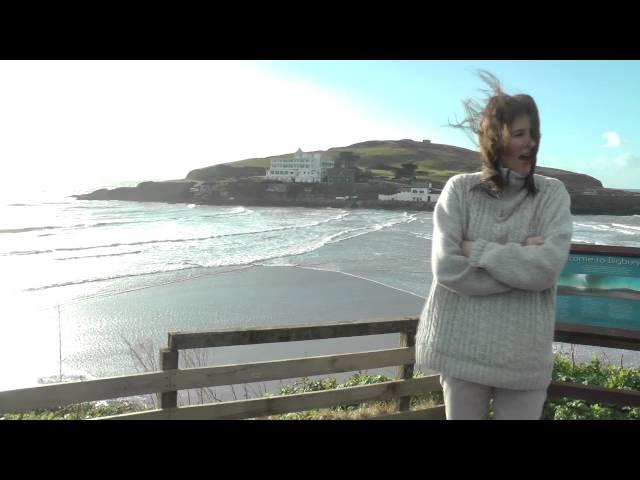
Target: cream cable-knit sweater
pixel 490 318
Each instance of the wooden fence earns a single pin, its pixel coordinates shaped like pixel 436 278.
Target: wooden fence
pixel 171 379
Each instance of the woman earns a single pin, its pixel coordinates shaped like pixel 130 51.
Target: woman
pixel 500 239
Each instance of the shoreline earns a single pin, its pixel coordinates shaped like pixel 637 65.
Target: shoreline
pixel 581 203
pixel 260 296
pixel 362 204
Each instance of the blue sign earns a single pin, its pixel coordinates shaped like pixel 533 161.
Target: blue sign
pixel 600 290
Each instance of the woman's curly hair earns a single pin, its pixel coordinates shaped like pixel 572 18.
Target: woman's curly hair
pixel 491 122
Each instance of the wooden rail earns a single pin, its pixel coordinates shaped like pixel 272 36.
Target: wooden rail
pixel 594 393
pixel 263 407
pixel 598 336
pixel 293 333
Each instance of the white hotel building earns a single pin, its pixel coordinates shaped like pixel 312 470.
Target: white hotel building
pixel 302 168
pixel 415 193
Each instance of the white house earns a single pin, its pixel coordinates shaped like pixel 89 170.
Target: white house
pixel 414 193
pixel 302 168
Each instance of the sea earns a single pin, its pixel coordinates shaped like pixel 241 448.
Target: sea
pixel 83 281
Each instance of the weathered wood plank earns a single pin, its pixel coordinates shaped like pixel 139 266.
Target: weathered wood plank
pixel 594 393
pixel 50 396
pixel 597 336
pixel 292 368
pixel 262 407
pixel 292 333
pixel 168 362
pixel 605 249
pixel 407 339
pixel 432 413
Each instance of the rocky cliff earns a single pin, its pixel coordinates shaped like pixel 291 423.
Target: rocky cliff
pixel 168 192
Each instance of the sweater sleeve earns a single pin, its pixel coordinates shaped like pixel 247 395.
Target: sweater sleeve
pixel 450 267
pixel 532 267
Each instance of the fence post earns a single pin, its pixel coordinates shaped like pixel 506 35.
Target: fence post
pixel 405 372
pixel 168 361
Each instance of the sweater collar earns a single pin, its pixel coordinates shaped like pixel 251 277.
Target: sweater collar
pixel 512 180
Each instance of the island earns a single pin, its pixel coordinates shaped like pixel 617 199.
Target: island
pixel 355 176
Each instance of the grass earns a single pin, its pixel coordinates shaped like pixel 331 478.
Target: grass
pixel 435 164
pixel 80 411
pixel 355 411
pixel 594 372
pixel 252 162
pixel 386 174
pixel 361 412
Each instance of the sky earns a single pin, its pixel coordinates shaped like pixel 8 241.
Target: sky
pixel 87 122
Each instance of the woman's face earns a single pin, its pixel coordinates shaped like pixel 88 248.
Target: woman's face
pixel 519 153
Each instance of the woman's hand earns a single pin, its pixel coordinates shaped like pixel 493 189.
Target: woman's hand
pixel 467 245
pixel 535 241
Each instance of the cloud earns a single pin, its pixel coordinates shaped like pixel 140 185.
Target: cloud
pixel 612 138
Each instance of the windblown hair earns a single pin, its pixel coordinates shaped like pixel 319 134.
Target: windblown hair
pixel 491 124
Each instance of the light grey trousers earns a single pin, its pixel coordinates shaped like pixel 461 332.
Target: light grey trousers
pixel 470 401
